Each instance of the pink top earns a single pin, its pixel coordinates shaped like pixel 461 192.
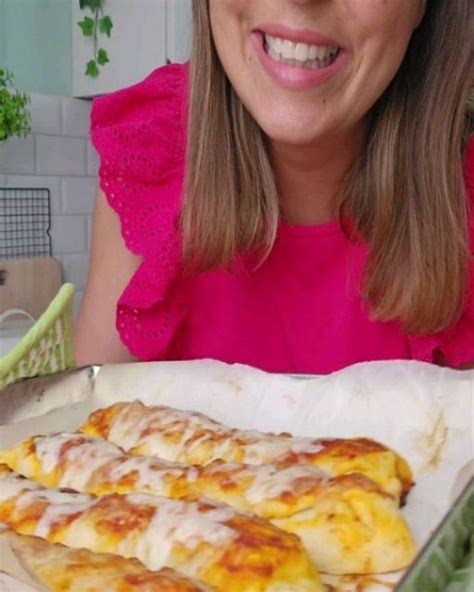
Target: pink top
pixel 299 312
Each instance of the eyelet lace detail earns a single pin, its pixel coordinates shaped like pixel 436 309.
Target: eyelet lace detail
pixel 139 133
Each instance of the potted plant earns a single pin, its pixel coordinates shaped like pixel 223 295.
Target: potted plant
pixel 15 118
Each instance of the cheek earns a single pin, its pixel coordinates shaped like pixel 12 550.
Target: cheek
pixel 228 20
pixel 385 26
pixel 380 41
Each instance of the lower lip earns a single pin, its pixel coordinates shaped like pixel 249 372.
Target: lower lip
pixel 293 77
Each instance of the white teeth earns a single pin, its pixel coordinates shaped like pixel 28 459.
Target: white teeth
pixel 302 52
pixel 323 53
pixel 313 52
pixel 277 45
pixel 287 49
pixel 299 54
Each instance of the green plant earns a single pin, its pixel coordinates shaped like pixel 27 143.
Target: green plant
pixel 92 27
pixel 15 119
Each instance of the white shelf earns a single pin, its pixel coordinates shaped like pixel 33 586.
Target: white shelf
pixel 136 47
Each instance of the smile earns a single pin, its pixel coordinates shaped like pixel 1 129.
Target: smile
pixel 300 55
pixel 298 60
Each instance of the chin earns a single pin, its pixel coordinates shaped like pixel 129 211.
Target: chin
pixel 291 132
pixel 290 122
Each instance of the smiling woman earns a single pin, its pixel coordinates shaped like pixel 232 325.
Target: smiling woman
pixel 367 42
pixel 296 197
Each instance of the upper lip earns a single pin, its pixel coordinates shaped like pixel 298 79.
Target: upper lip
pixel 308 36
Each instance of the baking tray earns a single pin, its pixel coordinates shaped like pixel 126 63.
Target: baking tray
pixel 424 412
pixel 446 563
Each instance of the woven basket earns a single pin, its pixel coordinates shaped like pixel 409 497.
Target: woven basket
pixel 47 347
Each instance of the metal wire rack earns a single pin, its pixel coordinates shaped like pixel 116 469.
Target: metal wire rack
pixel 25 222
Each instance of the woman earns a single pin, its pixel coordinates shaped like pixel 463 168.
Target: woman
pixel 299 199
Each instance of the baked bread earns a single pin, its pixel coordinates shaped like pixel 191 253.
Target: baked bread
pixel 204 540
pixel 63 569
pixel 191 437
pixel 348 524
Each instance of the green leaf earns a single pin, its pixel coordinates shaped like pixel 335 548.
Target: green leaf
pixel 105 25
pixel 87 26
pixel 14 116
pixel 92 69
pixel 92 4
pixel 102 57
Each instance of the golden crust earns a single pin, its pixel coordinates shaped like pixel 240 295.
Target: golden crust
pixel 206 541
pixel 63 569
pixel 191 437
pixel 298 498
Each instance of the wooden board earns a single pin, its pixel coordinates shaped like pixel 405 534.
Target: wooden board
pixel 29 284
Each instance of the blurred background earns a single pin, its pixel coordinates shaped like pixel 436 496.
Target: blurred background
pixel 55 57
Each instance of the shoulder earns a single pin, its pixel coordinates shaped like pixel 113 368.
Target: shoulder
pixel 139 133
pixel 146 121
pixel 161 93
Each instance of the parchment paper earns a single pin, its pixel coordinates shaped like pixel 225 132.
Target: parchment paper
pixel 424 412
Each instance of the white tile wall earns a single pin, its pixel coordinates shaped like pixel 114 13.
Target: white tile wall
pixel 18 156
pixel 69 234
pixel 59 156
pixel 45 114
pixel 75 117
pixel 75 269
pixel 78 194
pixel 92 160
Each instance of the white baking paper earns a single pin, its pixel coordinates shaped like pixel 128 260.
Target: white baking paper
pixel 424 412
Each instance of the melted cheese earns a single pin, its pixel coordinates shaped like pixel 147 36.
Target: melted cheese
pixel 57 512
pixel 191 437
pixel 12 486
pixel 83 457
pixel 271 481
pixel 79 463
pixel 206 540
pixel 151 475
pixel 185 524
pixel 99 467
pixel 305 446
pixel 172 521
pixel 131 426
pixel 171 434
pixel 52 496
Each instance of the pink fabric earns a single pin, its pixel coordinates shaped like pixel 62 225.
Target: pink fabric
pixel 300 311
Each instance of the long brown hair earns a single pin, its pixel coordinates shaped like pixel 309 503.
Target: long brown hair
pixel 405 193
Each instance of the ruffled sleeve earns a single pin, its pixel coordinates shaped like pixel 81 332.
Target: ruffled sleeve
pixel 140 135
pixel 456 345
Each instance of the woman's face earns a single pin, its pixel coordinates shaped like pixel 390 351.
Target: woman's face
pixel 309 69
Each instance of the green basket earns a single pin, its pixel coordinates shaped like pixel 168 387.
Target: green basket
pixel 47 347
